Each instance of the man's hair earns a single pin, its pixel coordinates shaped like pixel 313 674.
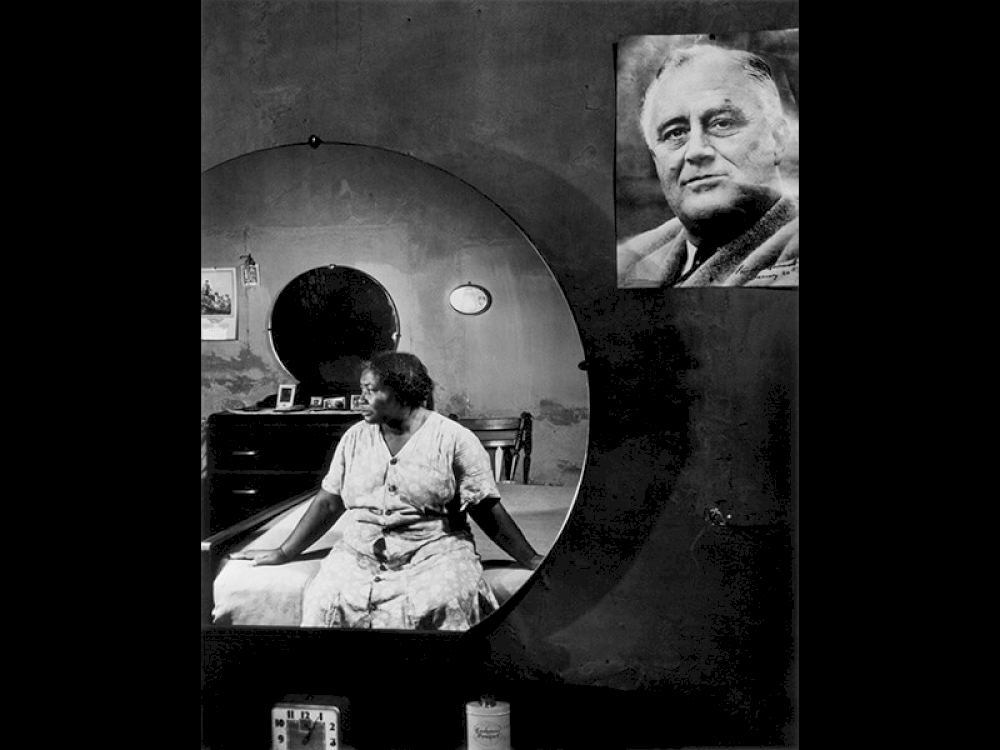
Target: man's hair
pixel 755 67
pixel 406 375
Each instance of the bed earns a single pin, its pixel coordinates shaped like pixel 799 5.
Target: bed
pixel 237 593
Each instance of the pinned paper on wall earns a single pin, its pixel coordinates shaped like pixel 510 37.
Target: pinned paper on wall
pixel 218 304
pixel 251 273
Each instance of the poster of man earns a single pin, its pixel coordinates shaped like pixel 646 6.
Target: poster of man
pixel 706 172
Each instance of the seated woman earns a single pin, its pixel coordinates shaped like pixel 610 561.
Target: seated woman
pixel 404 479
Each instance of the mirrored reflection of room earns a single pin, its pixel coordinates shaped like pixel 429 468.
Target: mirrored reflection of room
pixel 358 254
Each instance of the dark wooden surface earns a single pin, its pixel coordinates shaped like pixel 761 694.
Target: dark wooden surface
pixel 258 460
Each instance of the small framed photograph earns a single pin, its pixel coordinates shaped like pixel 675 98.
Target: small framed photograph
pixel 357 402
pixel 251 276
pixel 337 403
pixel 286 397
pixel 316 402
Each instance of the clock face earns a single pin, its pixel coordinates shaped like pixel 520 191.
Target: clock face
pixel 305 727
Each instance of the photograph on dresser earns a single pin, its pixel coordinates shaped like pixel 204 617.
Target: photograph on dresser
pixel 379 451
pixel 706 162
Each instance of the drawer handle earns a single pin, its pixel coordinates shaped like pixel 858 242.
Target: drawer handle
pixel 244 453
pixel 245 492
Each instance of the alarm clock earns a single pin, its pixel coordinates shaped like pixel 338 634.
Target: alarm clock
pixel 305 725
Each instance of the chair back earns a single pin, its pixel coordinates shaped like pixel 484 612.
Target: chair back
pixel 507 440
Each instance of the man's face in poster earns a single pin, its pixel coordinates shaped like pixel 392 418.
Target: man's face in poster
pixel 716 137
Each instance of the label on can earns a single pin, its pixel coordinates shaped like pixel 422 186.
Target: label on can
pixel 488 726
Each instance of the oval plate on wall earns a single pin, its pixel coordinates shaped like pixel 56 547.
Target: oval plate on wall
pixel 470 299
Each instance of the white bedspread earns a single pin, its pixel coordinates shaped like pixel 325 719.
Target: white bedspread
pixel 245 594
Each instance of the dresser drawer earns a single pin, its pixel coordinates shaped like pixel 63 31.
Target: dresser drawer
pixel 272 450
pixel 255 461
pixel 235 497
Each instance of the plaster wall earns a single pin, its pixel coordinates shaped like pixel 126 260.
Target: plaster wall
pixel 692 394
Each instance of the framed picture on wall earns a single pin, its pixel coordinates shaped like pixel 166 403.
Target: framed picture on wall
pixel 707 160
pixel 218 304
pixel 251 275
pixel 337 403
pixel 357 402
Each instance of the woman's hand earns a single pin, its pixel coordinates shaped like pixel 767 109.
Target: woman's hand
pixel 261 556
pixel 323 511
pixel 497 524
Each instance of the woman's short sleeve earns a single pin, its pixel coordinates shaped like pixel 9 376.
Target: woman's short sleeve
pixel 333 482
pixel 473 471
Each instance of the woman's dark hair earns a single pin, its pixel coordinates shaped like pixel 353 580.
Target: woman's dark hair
pixel 406 375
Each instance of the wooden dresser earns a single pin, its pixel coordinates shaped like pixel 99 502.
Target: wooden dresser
pixel 257 459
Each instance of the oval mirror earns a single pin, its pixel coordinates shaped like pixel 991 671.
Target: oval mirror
pixel 360 249
pixel 326 322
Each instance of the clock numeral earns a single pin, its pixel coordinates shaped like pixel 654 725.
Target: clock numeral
pixel 281 739
pixel 290 714
pixel 303 714
pixel 333 742
pixel 332 726
pixel 279 722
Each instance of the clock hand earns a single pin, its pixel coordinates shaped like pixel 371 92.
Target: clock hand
pixel 310 734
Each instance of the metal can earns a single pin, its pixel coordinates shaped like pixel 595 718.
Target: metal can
pixel 487 725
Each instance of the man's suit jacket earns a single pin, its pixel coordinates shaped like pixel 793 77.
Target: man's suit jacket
pixel 765 255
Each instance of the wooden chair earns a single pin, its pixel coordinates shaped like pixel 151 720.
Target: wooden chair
pixel 507 440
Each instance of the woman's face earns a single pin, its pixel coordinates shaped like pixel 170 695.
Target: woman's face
pixel 380 403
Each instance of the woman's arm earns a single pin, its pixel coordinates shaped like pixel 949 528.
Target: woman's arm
pixel 497 524
pixel 322 513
